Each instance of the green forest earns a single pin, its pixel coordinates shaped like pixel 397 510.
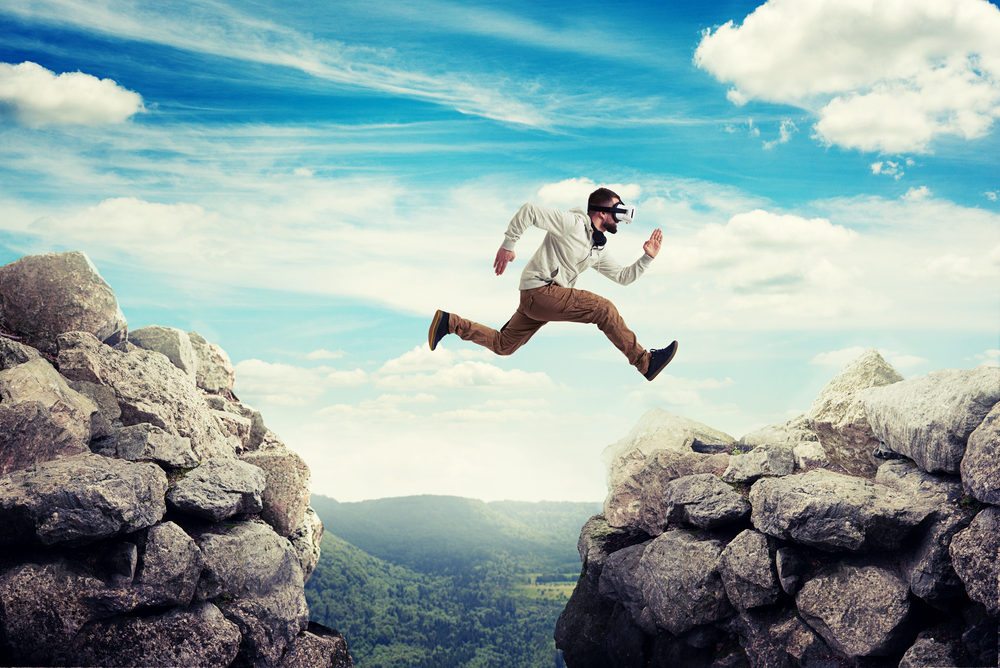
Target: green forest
pixel 442 582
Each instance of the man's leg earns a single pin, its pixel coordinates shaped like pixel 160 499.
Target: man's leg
pixel 553 303
pixel 511 336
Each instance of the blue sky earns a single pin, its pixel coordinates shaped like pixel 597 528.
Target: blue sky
pixel 305 183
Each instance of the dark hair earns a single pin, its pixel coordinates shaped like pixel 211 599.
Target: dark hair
pixel 602 197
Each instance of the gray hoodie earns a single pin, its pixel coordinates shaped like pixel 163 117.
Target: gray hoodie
pixel 567 250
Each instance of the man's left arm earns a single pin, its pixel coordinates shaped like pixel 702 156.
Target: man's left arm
pixel 625 275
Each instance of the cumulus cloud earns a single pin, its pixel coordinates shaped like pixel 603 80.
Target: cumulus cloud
pixel 36 97
pixel 841 358
pixel 281 384
pixel 880 76
pixel 991 195
pixel 888 168
pixel 677 391
pixel 988 358
pixel 963 269
pixel 574 192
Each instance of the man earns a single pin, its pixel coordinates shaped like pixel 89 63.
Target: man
pixel 574 241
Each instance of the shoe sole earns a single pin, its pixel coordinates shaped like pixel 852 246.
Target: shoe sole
pixel 434 325
pixel 669 359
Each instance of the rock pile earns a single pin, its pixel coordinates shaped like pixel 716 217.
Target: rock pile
pixel 147 518
pixel 795 547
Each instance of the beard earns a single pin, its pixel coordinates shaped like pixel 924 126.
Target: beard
pixel 611 228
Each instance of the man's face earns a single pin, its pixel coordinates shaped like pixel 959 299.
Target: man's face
pixel 610 224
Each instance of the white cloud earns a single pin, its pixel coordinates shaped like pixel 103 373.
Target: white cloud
pixel 991 195
pixel 917 194
pixel 880 75
pixel 36 97
pixel 888 168
pixel 962 269
pixel 281 384
pixel 575 192
pixel 840 358
pixel 303 172
pixel 467 374
pixel 988 358
pixel 785 134
pixel 347 378
pixel 323 354
pixel 674 391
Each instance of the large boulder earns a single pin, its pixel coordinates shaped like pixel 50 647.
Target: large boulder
pixel 170 341
pixel 702 500
pixel 974 552
pixel 286 497
pixel 657 430
pixel 981 463
pixel 838 417
pixel 598 540
pixel 833 511
pixel 43 296
pixel 13 353
pixel 306 540
pixel 42 418
pixel 149 389
pixel 748 570
pixel 929 419
pixel 619 582
pixel 927 564
pixel 80 499
pixel 146 441
pixel 630 495
pixel 318 646
pixel 258 577
pixel 679 576
pixel 585 627
pixel 215 371
pixel 928 653
pixel 170 569
pixel 195 636
pixel 763 460
pixel 791 434
pixel 219 489
pixel 860 610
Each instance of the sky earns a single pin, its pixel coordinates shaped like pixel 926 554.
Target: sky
pixel 305 183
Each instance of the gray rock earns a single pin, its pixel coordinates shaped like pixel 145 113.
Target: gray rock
pixel 195 636
pixel 748 570
pixel 42 608
pixel 33 395
pixel 982 460
pixel 974 553
pixel 809 454
pixel 798 639
pixel 215 371
pixel 625 501
pixel 860 610
pixel 702 500
pixel 790 434
pixel 102 397
pixel 170 341
pixel 904 476
pixel 287 494
pixel 656 430
pixel 148 389
pixel 763 460
pixel 80 499
pixel 235 425
pixel 929 419
pixel 219 489
pixel 585 624
pixel 306 541
pixel 619 583
pixel 171 567
pixel 680 580
pixel 598 540
pixel 43 296
pixel 837 414
pixel 13 353
pixel 120 561
pixel 791 567
pixel 260 571
pixel 927 565
pixel 833 511
pixel 147 441
pixel 928 653
pixel 318 646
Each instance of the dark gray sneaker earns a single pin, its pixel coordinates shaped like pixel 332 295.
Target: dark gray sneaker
pixel 439 328
pixel 658 359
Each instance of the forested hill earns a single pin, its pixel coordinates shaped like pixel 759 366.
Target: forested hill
pixel 448 534
pixel 446 582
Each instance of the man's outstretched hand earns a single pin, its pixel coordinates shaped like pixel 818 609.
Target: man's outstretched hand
pixel 652 247
pixel 503 257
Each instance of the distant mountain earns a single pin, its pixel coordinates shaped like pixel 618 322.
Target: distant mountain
pixel 449 534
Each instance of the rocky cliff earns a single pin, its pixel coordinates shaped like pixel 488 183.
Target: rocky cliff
pixel 147 517
pixel 796 547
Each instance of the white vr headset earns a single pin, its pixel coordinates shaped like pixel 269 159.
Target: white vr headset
pixel 621 212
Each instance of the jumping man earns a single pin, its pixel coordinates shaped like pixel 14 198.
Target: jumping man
pixel 574 242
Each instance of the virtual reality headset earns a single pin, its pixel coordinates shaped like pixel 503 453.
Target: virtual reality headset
pixel 621 212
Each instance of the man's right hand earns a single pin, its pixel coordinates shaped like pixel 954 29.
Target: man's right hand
pixel 503 257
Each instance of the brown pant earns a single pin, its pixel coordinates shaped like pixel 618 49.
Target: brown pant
pixel 552 303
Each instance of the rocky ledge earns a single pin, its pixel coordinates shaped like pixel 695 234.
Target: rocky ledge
pixel 147 517
pixel 795 547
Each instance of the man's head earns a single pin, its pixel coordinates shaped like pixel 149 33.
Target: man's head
pixel 604 221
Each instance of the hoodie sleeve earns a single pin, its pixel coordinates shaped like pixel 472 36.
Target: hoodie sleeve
pixel 606 264
pixel 551 220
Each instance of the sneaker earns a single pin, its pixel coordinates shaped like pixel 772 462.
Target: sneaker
pixel 658 359
pixel 439 328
